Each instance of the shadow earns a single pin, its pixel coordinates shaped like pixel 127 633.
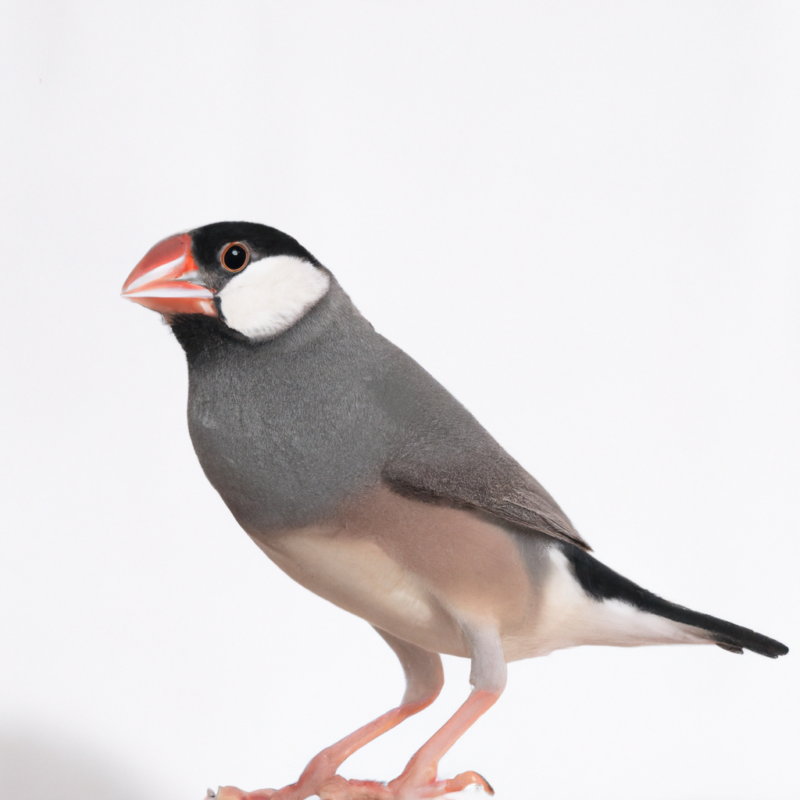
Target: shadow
pixel 40 767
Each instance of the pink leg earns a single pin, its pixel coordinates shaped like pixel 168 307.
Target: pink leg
pixel 418 779
pixel 324 765
pixel 424 680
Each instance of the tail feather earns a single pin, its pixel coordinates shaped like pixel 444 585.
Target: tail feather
pixel 602 583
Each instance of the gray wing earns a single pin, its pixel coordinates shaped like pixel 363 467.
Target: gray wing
pixel 440 452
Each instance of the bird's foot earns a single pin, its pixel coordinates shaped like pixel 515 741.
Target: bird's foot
pixel 466 779
pixel 333 788
pixel 232 793
pixel 338 788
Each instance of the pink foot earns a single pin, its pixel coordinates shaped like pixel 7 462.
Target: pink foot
pixel 232 793
pixel 408 790
pixel 334 788
pixel 469 778
pixel 339 788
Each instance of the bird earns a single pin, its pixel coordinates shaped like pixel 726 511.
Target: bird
pixel 367 482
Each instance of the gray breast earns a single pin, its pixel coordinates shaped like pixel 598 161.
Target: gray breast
pixel 286 429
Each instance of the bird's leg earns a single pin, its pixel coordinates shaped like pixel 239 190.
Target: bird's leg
pixel 418 779
pixel 424 680
pixel 488 678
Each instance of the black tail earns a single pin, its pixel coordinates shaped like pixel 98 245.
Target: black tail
pixel 602 583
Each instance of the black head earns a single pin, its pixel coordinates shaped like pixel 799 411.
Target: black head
pixel 255 280
pixel 212 243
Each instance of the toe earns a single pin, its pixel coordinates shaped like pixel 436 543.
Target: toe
pixel 339 788
pixel 232 793
pixel 470 778
pixel 422 790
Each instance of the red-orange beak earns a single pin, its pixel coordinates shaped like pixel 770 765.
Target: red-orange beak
pixel 167 280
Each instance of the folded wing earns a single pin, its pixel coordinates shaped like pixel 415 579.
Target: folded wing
pixel 440 452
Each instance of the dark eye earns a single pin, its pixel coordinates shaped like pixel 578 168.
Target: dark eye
pixel 235 257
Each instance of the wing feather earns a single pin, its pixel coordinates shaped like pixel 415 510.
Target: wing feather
pixel 440 452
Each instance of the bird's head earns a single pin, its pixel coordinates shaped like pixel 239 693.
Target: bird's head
pixel 255 279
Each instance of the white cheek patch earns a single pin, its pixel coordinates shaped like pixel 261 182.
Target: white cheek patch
pixel 270 295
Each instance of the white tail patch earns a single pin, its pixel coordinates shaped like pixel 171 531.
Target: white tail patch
pixel 270 295
pixel 570 617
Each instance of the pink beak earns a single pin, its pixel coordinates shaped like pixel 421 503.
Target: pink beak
pixel 167 280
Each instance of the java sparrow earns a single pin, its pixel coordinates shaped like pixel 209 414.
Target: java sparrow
pixel 368 483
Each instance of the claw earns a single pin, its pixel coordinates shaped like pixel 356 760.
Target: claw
pixel 465 779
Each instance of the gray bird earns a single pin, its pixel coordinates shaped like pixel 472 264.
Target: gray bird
pixel 368 483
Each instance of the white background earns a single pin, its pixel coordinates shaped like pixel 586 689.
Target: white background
pixel 581 217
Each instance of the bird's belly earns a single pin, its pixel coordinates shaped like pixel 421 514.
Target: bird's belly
pixel 358 576
pixel 417 570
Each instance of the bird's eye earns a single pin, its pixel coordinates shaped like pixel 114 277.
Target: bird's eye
pixel 235 257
